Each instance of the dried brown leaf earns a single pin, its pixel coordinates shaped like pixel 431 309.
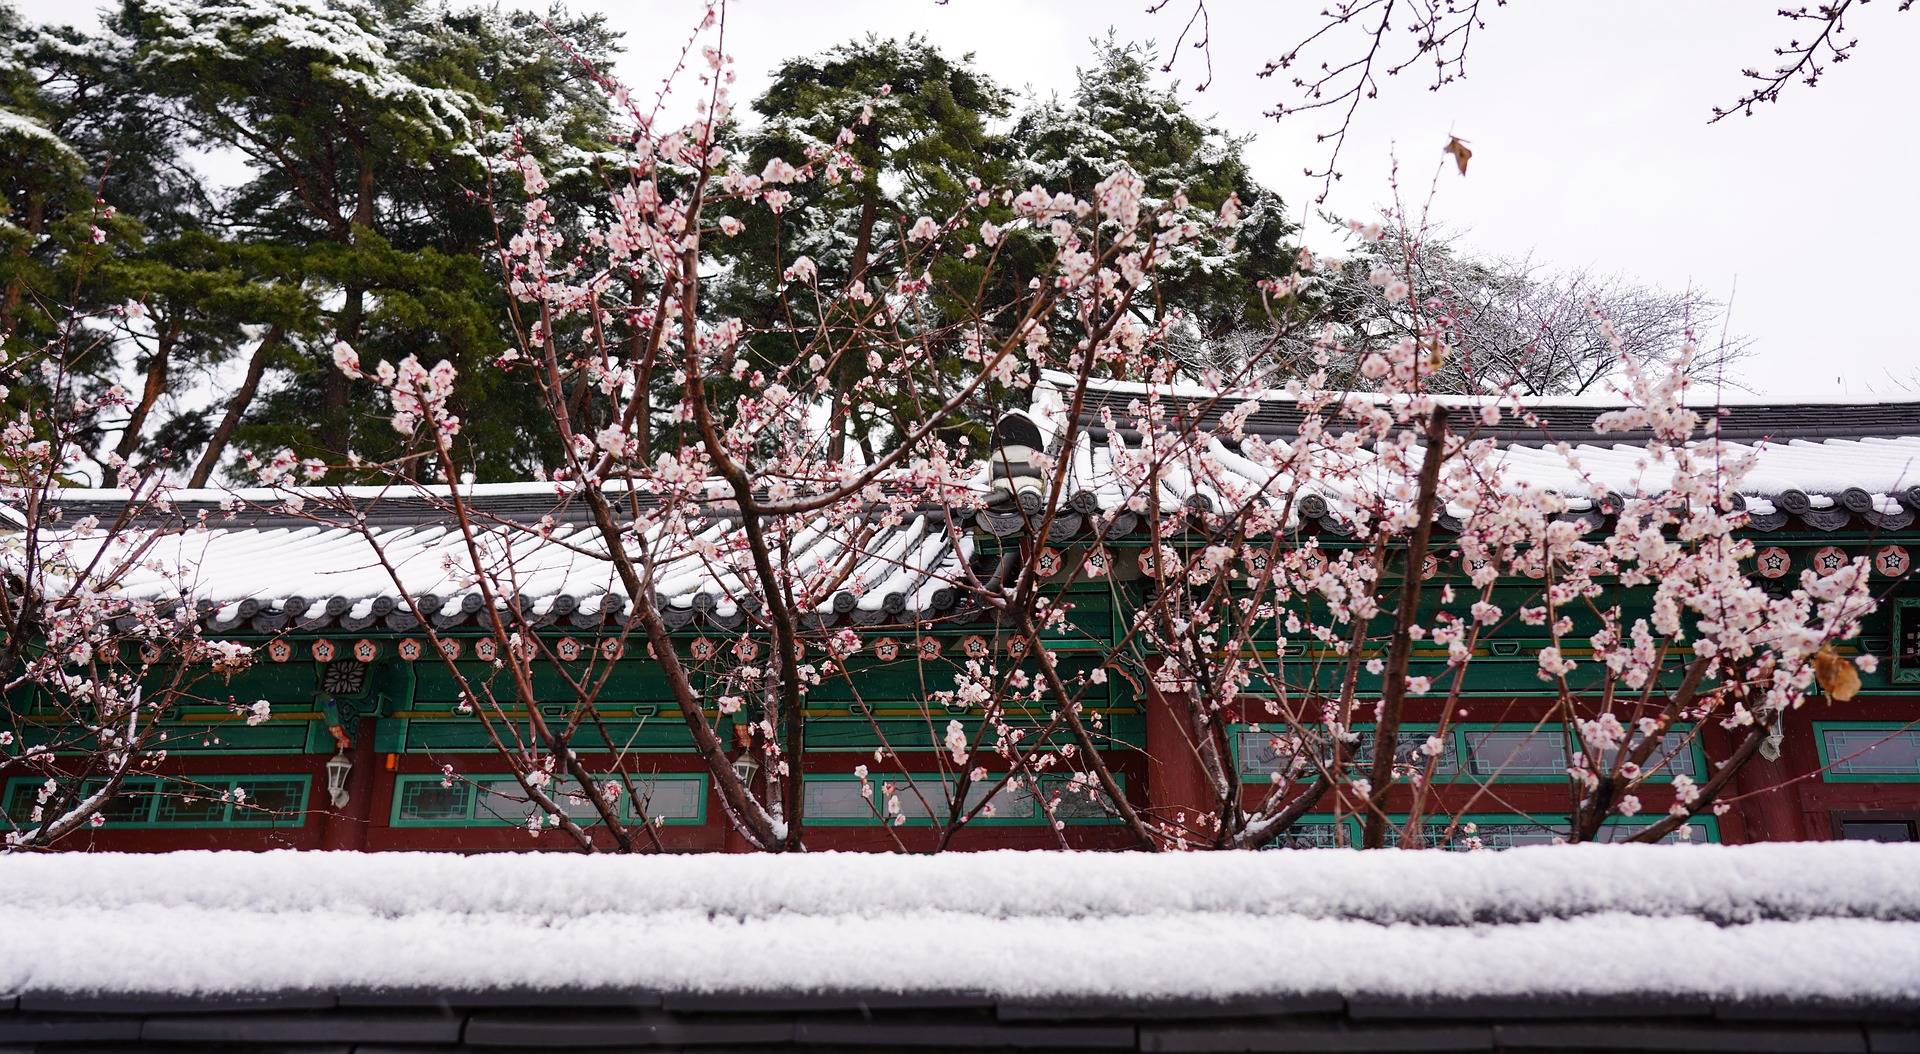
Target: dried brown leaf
pixel 1461 154
pixel 1838 677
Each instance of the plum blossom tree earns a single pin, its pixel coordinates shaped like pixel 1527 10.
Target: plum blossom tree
pixel 100 642
pixel 1231 554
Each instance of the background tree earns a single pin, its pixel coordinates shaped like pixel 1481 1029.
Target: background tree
pixel 1510 325
pixel 366 132
pixel 924 129
pixel 1118 118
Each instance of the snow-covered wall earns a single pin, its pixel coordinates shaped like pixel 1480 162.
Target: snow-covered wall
pixel 1807 921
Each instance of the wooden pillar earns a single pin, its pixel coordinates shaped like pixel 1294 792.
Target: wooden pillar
pixel 345 827
pixel 1176 782
pixel 1762 814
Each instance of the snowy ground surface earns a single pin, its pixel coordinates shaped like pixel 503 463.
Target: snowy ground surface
pixel 1819 921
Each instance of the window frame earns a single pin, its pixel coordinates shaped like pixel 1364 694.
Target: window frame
pixel 475 785
pixel 149 791
pixel 1457 750
pixel 1827 773
pixel 1038 819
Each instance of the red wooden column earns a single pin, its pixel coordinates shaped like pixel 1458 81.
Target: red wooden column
pixel 1176 783
pixel 1763 814
pixel 346 827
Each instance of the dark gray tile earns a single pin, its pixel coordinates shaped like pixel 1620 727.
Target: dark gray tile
pixel 135 1003
pixel 1847 1011
pixel 600 998
pixel 597 1029
pixel 340 1026
pixel 66 1028
pixel 1893 1040
pixel 1283 1035
pixel 1682 1037
pixel 934 1032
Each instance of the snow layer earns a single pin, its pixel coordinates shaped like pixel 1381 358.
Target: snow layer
pixel 1807 921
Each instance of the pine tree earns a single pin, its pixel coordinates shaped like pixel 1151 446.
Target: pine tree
pixel 922 126
pixel 1117 117
pixel 370 132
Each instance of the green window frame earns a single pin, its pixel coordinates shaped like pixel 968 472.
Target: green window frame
pixel 1014 807
pixel 1906 640
pixel 1459 762
pixel 496 799
pixel 1496 831
pixel 180 802
pixel 1839 739
pixel 1249 749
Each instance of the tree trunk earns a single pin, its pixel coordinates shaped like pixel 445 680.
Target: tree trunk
pixel 16 287
pixel 334 387
pixel 150 394
pixel 236 407
pixel 1393 694
pixel 847 370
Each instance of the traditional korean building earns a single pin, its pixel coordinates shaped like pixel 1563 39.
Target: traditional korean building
pixel 365 721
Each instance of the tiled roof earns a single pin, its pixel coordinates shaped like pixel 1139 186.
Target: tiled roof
pixel 252 565
pixel 439 1020
pixel 260 568
pixel 1821 466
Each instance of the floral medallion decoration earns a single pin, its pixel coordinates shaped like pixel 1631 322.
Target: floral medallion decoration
pixel 746 649
pixel 485 649
pixel 929 647
pixel 611 649
pixel 1017 647
pixel 1097 562
pixel 886 649
pixel 343 679
pixel 365 650
pixel 975 647
pixel 1892 561
pixel 450 647
pixel 108 651
pixel 702 649
pixel 150 653
pixel 1772 562
pixel 280 650
pixel 1430 566
pixel 1312 560
pixel 324 651
pixel 567 648
pixel 1047 564
pixel 1829 558
pixel 409 649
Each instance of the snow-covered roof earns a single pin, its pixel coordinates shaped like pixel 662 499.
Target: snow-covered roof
pixel 1824 464
pixel 1751 923
pixel 249 565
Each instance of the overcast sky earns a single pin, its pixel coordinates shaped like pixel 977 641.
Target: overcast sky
pixel 1588 125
